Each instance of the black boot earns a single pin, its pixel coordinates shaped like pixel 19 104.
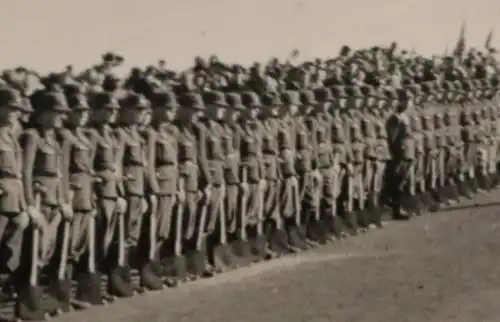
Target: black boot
pixel 295 239
pixel 174 269
pixel 89 288
pixel 119 282
pixel 29 303
pixel 350 222
pixel 375 215
pixel 258 245
pixel 197 261
pixel 60 293
pixel 241 250
pixel 316 230
pixel 149 279
pixel 277 238
pixel 221 256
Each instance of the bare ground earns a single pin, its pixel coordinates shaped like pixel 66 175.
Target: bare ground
pixel 439 267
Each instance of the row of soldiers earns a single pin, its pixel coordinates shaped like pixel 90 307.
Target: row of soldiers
pixel 172 188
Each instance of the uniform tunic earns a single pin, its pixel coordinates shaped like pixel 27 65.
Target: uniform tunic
pixel 43 164
pixel 79 151
pixel 13 221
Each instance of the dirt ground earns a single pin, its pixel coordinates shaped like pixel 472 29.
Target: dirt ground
pixel 436 268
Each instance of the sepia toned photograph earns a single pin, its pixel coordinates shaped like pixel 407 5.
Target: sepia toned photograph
pixel 250 161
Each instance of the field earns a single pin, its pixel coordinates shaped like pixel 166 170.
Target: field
pixel 437 268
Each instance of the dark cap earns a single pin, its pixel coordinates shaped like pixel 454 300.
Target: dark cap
pixel 468 85
pixel 339 91
pixel 271 100
pixel 12 98
pixel 76 97
pixel 234 100
pixel 105 100
pixel 251 100
pixel 404 95
pixel 369 91
pixel 415 90
pixel 215 98
pixel 390 94
pixel 192 100
pixel 449 86
pixel 428 88
pixel 323 94
pixel 354 91
pixel 134 100
pixel 55 101
pixel 308 98
pixel 292 98
pixel 165 99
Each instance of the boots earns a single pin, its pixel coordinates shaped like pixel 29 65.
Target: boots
pixel 89 288
pixel 149 278
pixel 258 244
pixel 197 261
pixel 295 239
pixel 277 238
pixel 240 248
pixel 119 281
pixel 220 254
pixel 29 303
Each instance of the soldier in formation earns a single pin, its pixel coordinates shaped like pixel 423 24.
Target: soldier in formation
pixel 150 182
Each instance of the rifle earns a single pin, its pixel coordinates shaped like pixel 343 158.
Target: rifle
pixel 61 273
pixel 35 242
pixel 152 226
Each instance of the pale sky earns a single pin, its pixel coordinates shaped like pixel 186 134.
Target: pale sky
pixel 49 34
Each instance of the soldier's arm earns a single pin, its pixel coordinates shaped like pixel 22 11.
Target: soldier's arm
pixel 120 139
pixel 67 141
pixel 202 155
pixel 29 143
pixel 92 136
pixel 238 132
pixel 312 127
pixel 151 161
pixel 260 131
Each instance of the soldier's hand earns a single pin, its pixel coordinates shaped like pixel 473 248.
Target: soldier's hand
pixel 67 211
pixel 349 169
pixel 181 196
pixel 316 175
pixel 37 218
pixel 244 188
pixel 121 205
pixel 262 184
pixel 207 191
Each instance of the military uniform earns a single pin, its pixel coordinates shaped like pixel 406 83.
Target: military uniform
pixel 14 217
pixel 111 205
pixel 163 177
pixel 253 172
pixel 403 154
pixel 216 162
pixel 195 173
pixel 270 152
pixel 354 189
pixel 135 156
pixel 44 166
pixel 231 143
pixel 78 151
pixel 290 204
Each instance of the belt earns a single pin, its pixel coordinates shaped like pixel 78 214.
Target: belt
pixel 6 175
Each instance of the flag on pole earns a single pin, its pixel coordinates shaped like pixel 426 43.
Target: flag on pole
pixel 461 45
pixel 488 41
